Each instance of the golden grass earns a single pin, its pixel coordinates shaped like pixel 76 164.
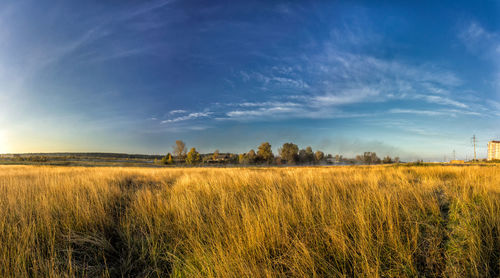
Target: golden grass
pixel 254 222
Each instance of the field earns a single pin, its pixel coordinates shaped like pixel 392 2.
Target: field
pixel 388 221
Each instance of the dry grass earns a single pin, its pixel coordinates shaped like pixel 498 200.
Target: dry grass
pixel 317 221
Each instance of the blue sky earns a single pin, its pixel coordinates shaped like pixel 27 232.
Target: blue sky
pixel 413 80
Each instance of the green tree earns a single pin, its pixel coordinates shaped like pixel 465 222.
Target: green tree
pixel 309 155
pixel 251 156
pixel 306 155
pixel 193 157
pixel 163 160
pixel 302 156
pixel 265 153
pixel 289 153
pixel 319 156
pixel 167 159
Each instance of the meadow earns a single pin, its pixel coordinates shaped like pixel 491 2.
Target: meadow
pixel 363 221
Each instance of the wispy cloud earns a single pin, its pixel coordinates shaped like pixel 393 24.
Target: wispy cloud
pixel 144 8
pixel 261 112
pixel 276 111
pixel 275 77
pixel 418 112
pixel 346 97
pixel 442 112
pixel 190 116
pixel 266 104
pixel 342 77
pixel 441 100
pixel 338 77
pixel 137 19
pixel 178 111
pixel 484 44
pixel 478 40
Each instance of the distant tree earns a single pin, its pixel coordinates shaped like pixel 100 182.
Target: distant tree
pixel 206 158
pixel 329 158
pixel 289 153
pixel 306 155
pixel 359 159
pixel 302 157
pixel 251 157
pixel 338 158
pixel 215 156
pixel 193 157
pixel 319 156
pixel 387 160
pixel 163 160
pixel 265 153
pixel 309 155
pixel 396 159
pixel 179 149
pixel 241 158
pixel 233 158
pixel 167 159
pixel 370 158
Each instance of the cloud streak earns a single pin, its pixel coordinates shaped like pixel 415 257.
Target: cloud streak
pixel 190 116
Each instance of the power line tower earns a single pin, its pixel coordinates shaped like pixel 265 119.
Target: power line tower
pixel 474 143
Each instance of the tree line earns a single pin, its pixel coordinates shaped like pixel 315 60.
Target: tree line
pixel 288 154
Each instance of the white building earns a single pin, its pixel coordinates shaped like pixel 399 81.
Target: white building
pixel 493 150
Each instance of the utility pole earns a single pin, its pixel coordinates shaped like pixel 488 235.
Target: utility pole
pixel 454 157
pixel 474 143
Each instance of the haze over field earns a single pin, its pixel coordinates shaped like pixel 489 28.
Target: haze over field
pixel 408 80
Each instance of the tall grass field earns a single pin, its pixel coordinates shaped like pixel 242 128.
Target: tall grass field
pixel 359 221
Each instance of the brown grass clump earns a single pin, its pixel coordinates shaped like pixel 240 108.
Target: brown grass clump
pixel 254 222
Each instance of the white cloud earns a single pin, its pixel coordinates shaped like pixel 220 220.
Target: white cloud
pixel 475 37
pixel 346 97
pixel 179 111
pixel 267 103
pixel 441 100
pixel 275 77
pixel 190 116
pixel 337 77
pixel 442 112
pixel 278 112
pixel 261 112
pixel 418 112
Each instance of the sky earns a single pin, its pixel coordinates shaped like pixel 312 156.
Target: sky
pixel 401 79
